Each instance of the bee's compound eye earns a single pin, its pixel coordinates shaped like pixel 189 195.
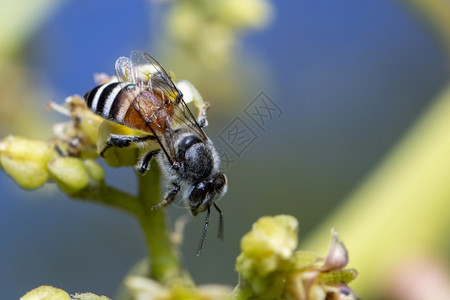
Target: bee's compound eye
pixel 198 194
pixel 220 181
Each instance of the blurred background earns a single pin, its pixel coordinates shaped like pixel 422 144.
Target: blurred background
pixel 351 79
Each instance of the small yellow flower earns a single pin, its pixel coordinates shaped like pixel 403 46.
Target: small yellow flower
pixel 70 174
pixel 88 296
pixel 266 255
pixel 247 13
pixel 208 30
pixel 320 282
pixel 46 292
pixel 95 171
pixel 25 160
pixel 118 157
pixel 271 241
pixel 83 118
pixel 270 268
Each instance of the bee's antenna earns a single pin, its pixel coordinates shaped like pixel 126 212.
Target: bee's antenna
pixel 205 231
pixel 220 232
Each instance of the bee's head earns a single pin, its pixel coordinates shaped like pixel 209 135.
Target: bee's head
pixel 205 193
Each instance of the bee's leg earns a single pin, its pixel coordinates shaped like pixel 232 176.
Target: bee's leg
pixel 144 164
pixel 122 141
pixel 169 197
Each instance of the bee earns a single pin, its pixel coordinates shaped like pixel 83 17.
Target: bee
pixel 145 98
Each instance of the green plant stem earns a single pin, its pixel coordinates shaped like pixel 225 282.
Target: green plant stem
pixel 164 262
pixel 163 255
pixel 111 196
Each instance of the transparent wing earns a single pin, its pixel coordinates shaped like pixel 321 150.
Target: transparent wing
pixel 158 101
pixel 124 70
pixel 184 117
pixel 151 74
pixel 161 80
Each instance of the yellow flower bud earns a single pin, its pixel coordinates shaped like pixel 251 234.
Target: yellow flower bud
pixel 88 296
pixel 184 21
pixel 95 171
pixel 46 292
pixel 267 252
pixel 269 268
pixel 24 149
pixel 29 175
pixel 345 276
pixel 117 157
pixel 304 260
pixel 25 160
pixel 70 174
pixel 271 236
pixel 87 120
pixel 246 13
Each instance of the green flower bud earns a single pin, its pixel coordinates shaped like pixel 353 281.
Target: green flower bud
pixel 46 292
pixel 304 260
pixel 86 119
pixel 267 254
pixel 25 160
pixel 184 21
pixel 310 280
pixel 29 175
pixel 70 174
pixel 117 157
pixel 271 236
pixel 95 171
pixel 246 13
pixel 88 296
pixel 270 269
pixel 268 287
pixel 344 276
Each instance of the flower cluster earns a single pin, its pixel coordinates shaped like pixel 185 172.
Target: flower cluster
pixel 271 268
pixel 208 29
pixel 66 159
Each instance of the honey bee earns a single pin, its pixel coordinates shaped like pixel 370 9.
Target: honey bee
pixel 145 98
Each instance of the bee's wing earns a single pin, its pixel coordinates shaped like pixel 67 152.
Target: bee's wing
pixel 184 117
pixel 150 76
pixel 151 73
pixel 125 71
pixel 161 80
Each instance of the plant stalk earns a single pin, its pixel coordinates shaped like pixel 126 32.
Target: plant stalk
pixel 163 254
pixel 164 258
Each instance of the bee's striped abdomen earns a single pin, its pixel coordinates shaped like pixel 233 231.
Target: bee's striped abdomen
pixel 135 107
pixel 111 100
